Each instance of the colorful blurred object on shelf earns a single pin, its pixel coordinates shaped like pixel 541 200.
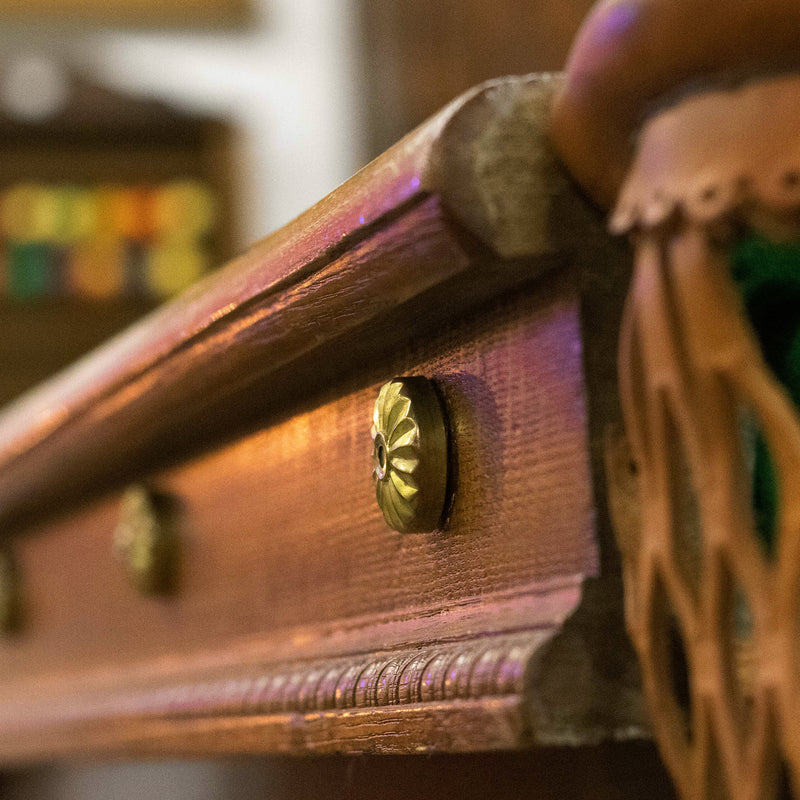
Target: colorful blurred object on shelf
pixel 104 241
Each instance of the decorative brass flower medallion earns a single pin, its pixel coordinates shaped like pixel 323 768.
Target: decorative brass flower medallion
pixel 9 594
pixel 409 455
pixel 145 540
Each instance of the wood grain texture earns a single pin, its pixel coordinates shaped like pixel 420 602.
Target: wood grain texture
pixel 592 647
pixel 295 596
pixel 384 239
pixel 301 622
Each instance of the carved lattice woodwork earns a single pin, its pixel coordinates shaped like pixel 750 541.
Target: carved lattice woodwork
pixel 712 609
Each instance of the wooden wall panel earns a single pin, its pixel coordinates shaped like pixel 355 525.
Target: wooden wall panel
pixel 420 53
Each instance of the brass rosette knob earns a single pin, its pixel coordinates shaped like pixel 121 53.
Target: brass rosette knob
pixel 409 453
pixel 9 594
pixel 145 540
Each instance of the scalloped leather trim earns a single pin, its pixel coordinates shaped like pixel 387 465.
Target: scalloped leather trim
pixel 714 153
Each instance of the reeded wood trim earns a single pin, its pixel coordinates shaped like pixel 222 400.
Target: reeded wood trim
pixel 455 696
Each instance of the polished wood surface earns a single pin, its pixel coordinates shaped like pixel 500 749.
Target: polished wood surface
pixel 301 623
pixel 423 218
pixel 290 573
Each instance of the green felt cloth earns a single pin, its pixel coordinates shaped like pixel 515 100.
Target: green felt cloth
pixel 768 276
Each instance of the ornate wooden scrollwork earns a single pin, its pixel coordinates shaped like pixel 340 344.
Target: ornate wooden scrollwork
pixel 707 507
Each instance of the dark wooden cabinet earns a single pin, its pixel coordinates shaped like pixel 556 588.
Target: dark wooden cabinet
pixel 97 223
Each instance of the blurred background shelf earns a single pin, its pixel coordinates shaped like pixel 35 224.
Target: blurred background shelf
pixel 44 336
pixel 109 204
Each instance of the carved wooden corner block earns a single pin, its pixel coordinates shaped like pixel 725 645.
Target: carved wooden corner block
pixel 299 621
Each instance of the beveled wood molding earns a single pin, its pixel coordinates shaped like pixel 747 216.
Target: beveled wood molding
pixel 465 207
pixel 434 682
pixel 301 622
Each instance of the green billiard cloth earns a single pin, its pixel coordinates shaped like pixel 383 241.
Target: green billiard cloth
pixel 768 276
